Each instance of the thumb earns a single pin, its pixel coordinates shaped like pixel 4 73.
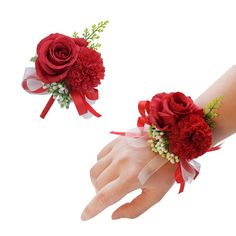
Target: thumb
pixel 138 205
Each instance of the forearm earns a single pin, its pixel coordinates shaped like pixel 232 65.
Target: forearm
pixel 225 86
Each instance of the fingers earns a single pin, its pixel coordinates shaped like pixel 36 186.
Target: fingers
pixel 99 167
pixel 106 177
pixel 107 196
pixel 138 206
pixel 156 188
pixel 106 149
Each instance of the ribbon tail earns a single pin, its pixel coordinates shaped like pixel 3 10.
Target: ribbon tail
pixel 118 133
pixel 143 107
pixel 79 102
pixel 47 107
pixel 215 148
pixel 179 178
pixel 91 110
pixel 82 105
pixel 186 172
pixel 140 122
pixel 181 187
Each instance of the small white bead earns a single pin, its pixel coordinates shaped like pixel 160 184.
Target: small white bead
pixel 61 90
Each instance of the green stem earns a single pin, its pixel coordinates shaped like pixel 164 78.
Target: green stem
pixel 210 110
pixel 90 36
pixel 94 31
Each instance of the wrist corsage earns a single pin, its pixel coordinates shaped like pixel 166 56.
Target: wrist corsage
pixel 68 68
pixel 178 130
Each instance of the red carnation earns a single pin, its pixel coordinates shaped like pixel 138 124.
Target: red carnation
pixel 87 71
pixel 191 137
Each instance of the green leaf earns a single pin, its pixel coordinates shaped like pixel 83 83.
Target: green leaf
pixel 92 35
pixel 95 46
pixel 75 35
pixel 33 59
pixel 210 111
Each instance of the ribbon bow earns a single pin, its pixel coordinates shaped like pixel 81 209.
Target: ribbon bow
pixel 81 99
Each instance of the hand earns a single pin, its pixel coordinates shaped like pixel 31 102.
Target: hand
pixel 116 174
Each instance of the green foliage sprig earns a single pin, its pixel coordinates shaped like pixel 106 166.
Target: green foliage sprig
pixel 210 111
pixel 75 35
pixel 92 35
pixel 33 59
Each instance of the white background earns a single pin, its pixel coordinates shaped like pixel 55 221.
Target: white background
pixel 148 47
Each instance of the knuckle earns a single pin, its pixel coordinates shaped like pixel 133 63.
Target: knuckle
pixel 124 159
pixel 96 184
pixel 99 156
pixel 130 180
pixel 127 153
pixel 92 172
pixel 131 175
pixel 102 199
pixel 133 184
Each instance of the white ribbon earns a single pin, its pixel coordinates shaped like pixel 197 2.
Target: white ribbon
pixel 137 138
pixel 189 170
pixel 151 168
pixel 31 83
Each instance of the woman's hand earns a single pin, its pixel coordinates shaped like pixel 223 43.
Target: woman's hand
pixel 116 174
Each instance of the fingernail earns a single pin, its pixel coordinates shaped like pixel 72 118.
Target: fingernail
pixel 84 217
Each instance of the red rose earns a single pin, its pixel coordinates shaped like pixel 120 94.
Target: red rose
pixel 87 71
pixel 167 109
pixel 160 115
pixel 180 104
pixel 191 137
pixel 56 54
